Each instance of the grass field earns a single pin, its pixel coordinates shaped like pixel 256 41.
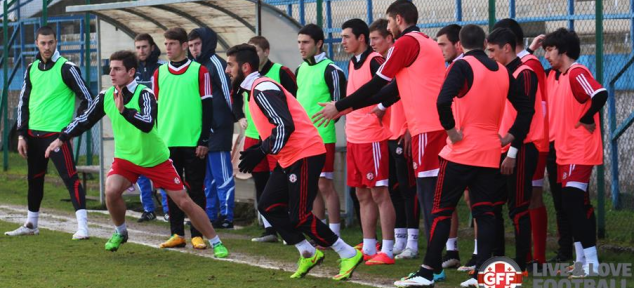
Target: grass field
pixel 52 260
pixel 67 264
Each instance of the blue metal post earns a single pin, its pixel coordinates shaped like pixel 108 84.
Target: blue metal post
pixel 78 140
pixel 512 9
pixel 329 26
pixel 599 76
pixel 22 37
pixel 571 12
pixel 302 13
pixel 81 46
pixel 88 80
pixel 370 11
pixel 58 32
pixel 632 23
pixel 17 26
pixel 5 85
pixel 289 10
pixel 459 10
pixel 614 148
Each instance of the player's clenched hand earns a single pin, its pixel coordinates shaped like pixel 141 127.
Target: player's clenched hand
pixel 250 158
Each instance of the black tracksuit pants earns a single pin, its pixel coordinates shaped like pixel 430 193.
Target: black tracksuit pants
pixel 192 170
pixel 287 202
pixel 37 142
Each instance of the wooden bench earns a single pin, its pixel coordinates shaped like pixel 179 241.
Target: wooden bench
pixel 84 170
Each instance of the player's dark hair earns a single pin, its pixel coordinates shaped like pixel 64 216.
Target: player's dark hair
pixel 565 41
pixel 245 53
pixel 501 37
pixel 472 37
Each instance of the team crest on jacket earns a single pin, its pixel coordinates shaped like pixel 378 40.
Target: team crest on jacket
pixel 399 151
pixel 177 181
pixel 292 178
pixel 564 176
pixel 415 165
pixel 370 176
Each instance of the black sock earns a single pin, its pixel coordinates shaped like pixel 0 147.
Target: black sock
pixel 425 273
pixel 270 231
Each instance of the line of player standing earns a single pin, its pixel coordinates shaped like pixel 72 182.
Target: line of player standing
pixel 481 124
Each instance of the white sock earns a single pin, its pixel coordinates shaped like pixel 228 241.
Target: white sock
pixel 122 229
pixel 592 258
pixel 579 253
pixel 344 250
pixel 475 247
pixel 32 217
pixel 412 239
pixel 215 241
pixel 82 220
pixel 325 220
pixel 266 223
pixel 335 227
pixel 305 249
pixel 387 248
pixel 369 246
pixel 452 244
pixel 400 235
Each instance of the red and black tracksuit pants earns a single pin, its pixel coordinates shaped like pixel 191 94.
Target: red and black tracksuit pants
pixel 37 142
pixel 453 179
pixel 287 202
pixel 516 190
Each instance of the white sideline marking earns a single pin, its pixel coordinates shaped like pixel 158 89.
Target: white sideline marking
pixel 98 230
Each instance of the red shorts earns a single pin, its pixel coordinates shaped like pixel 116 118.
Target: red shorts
pixel 538 176
pixel 267 164
pixel 162 175
pixel 368 164
pixel 572 175
pixel 329 166
pixel 425 150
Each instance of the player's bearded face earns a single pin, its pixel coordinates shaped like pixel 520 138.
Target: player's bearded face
pixel 237 80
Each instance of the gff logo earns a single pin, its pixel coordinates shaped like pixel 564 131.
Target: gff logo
pixel 500 272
